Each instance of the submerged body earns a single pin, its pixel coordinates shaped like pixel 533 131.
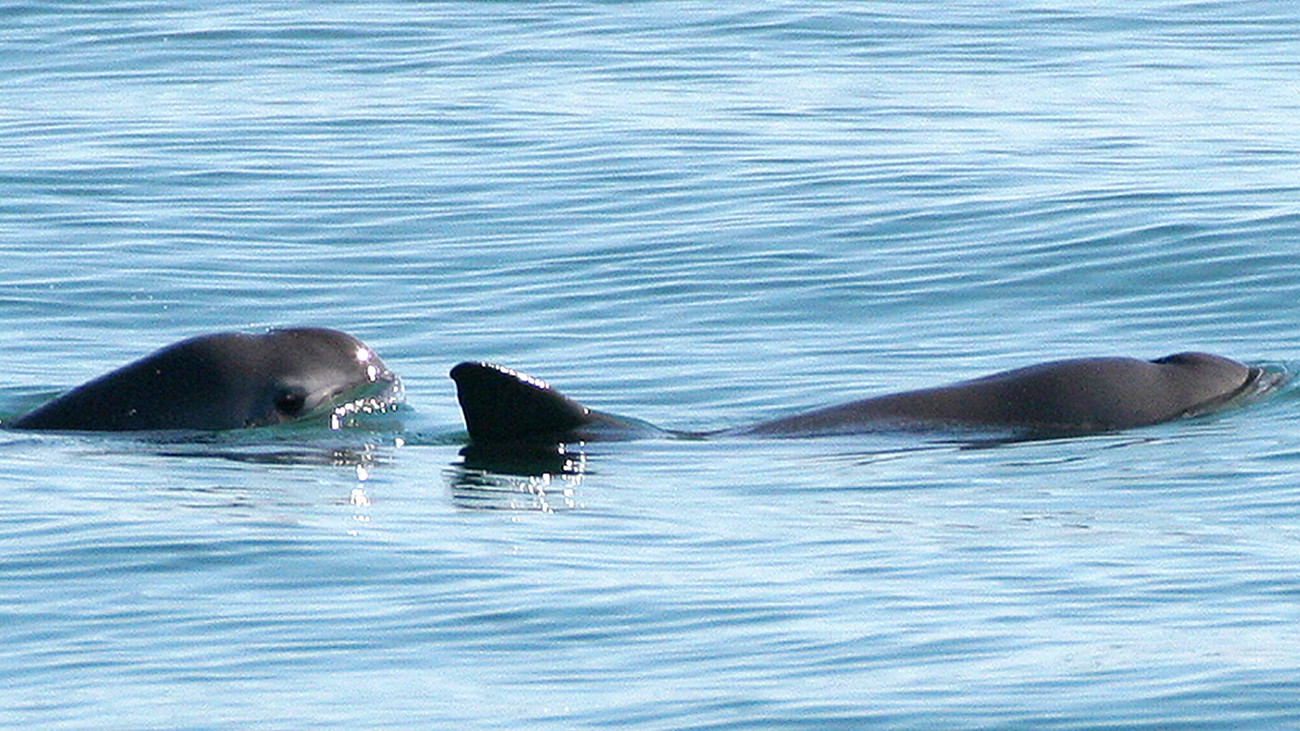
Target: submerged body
pixel 1080 396
pixel 224 381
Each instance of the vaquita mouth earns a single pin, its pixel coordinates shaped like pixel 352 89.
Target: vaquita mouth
pixel 384 393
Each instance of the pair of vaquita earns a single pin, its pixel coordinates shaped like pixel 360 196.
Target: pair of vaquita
pixel 236 380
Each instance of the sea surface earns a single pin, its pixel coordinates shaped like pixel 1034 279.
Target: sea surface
pixel 702 215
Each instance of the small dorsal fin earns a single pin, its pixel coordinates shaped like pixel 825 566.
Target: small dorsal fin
pixel 502 405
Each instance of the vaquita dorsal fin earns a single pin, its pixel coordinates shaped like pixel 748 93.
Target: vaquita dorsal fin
pixel 502 405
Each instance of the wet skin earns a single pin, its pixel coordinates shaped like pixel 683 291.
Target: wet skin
pixel 1080 396
pixel 222 381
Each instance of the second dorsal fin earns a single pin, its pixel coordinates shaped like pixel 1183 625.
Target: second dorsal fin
pixel 502 405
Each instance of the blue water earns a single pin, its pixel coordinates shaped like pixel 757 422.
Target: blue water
pixel 698 214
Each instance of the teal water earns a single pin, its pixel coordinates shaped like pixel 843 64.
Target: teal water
pixel 698 214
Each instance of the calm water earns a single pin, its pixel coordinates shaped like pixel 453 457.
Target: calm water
pixel 699 214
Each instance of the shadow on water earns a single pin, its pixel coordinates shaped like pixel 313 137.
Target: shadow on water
pixel 542 477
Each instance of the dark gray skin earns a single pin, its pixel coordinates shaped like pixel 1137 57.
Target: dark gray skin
pixel 1068 397
pixel 222 381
